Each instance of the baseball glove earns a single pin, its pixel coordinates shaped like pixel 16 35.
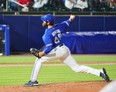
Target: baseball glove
pixel 35 52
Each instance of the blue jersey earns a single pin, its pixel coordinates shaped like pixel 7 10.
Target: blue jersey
pixel 52 36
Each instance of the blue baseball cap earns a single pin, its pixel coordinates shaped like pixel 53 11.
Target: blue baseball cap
pixel 48 18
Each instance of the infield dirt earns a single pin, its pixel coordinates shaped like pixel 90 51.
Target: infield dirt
pixel 58 87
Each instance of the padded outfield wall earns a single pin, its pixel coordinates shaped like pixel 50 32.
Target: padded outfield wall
pixel 26 32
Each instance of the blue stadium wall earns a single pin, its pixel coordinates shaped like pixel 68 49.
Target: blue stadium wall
pixel 26 32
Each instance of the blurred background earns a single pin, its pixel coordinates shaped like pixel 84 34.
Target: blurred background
pixel 58 5
pixel 92 32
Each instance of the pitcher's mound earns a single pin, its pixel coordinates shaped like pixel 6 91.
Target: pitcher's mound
pixel 58 87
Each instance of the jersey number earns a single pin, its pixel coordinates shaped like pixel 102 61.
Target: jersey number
pixel 58 38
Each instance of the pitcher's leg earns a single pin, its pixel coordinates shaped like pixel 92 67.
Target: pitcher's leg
pixel 86 69
pixel 69 61
pixel 36 70
pixel 38 65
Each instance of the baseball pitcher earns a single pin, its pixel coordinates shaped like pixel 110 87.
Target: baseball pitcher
pixel 55 49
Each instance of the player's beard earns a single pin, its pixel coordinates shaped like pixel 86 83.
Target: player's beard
pixel 44 24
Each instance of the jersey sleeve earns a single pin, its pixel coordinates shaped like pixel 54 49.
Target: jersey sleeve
pixel 65 24
pixel 48 44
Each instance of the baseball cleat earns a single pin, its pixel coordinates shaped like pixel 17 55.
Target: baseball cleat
pixel 30 83
pixel 104 75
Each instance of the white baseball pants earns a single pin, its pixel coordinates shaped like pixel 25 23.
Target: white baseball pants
pixel 63 54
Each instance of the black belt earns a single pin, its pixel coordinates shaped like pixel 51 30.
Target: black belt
pixel 61 45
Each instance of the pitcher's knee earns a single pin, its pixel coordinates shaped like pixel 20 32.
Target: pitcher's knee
pixel 76 68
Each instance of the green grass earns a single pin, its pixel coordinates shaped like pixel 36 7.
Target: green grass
pixel 16 59
pixel 14 75
pixel 95 58
pixel 79 58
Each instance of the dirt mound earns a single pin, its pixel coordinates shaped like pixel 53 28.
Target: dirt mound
pixel 58 87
